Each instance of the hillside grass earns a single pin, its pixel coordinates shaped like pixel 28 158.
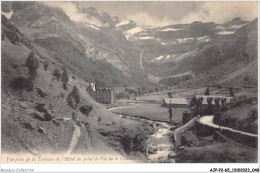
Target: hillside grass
pixel 152 112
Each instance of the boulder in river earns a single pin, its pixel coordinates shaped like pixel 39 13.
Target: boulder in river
pixel 172 155
pixel 159 125
pixel 152 150
pixel 173 128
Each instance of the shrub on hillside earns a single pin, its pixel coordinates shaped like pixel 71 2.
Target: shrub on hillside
pixel 21 83
pixel 57 74
pixel 73 98
pixel 217 118
pixel 224 108
pixel 74 116
pixel 46 65
pixel 62 95
pixel 86 109
pixel 207 92
pixel 133 142
pixel 32 63
pixel 65 78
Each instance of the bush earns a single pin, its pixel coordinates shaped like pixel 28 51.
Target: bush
pixel 86 109
pixel 74 116
pixel 41 92
pixel 133 142
pixel 217 118
pixel 73 98
pixel 21 83
pixel 207 91
pixel 32 63
pixel 64 78
pixel 57 74
pixel 224 108
pixel 46 65
pixel 62 95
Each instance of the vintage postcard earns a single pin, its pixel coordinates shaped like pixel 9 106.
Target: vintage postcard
pixel 129 82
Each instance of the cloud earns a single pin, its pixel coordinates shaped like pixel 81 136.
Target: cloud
pixel 218 12
pixel 144 18
pixel 164 13
pixel 221 12
pixel 73 13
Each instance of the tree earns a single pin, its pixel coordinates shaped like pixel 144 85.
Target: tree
pixel 57 74
pixel 32 63
pixel 207 91
pixel 73 98
pixel 231 92
pixel 64 78
pixel 209 100
pixel 46 65
pixel 121 95
pixel 193 102
pixel 74 116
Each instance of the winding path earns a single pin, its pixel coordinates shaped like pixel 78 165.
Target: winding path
pixel 208 120
pixel 74 139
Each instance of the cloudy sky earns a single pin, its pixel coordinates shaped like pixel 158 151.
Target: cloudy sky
pixel 166 13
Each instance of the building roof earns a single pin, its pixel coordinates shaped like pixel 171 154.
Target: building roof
pixel 95 87
pixel 181 101
pixel 205 97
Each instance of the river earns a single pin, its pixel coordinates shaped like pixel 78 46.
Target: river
pixel 159 147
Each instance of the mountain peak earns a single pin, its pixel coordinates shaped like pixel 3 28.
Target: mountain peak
pixel 196 23
pixel 237 19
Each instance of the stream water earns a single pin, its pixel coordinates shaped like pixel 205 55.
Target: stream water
pixel 159 147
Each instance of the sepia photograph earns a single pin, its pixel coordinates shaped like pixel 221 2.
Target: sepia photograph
pixel 129 82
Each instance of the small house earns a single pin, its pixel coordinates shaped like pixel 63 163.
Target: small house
pixel 208 103
pixel 175 102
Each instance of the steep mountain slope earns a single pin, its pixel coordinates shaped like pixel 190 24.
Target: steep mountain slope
pixel 117 52
pixel 36 117
pixel 86 42
pixel 177 53
pixel 162 42
pixel 231 61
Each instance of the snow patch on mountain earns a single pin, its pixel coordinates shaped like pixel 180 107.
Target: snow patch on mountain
pixel 164 43
pixel 220 28
pixel 145 38
pixel 122 23
pixel 236 26
pixel 92 26
pixel 133 31
pixel 159 58
pixel 226 32
pixel 200 38
pixel 164 58
pixel 170 29
pixel 183 40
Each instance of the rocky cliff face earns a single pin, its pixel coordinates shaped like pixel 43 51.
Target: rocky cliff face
pixel 107 49
pixel 190 50
pixel 93 39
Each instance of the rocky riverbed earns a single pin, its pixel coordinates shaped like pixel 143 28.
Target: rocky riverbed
pixel 159 148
